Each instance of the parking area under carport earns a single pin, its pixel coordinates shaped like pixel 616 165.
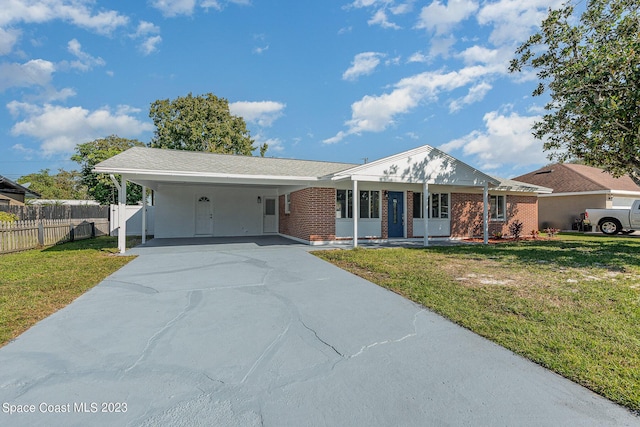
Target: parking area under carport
pixel 260 332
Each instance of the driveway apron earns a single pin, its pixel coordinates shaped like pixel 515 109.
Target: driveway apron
pixel 250 335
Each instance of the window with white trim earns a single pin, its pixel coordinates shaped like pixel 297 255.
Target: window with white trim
pixel 344 203
pixel 497 208
pixel 369 204
pixel 417 205
pixel 438 205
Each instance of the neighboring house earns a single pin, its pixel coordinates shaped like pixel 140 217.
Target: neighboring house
pixel 576 188
pixel 12 193
pixel 205 194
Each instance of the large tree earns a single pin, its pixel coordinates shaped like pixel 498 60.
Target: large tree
pixel 100 186
pixel 63 185
pixel 590 68
pixel 200 123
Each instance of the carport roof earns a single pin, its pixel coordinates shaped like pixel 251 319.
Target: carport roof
pixel 143 160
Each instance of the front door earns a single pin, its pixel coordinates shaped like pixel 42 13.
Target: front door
pixel 396 214
pixel 269 224
pixel 204 216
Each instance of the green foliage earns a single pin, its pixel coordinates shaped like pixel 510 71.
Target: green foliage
pixel 591 70
pixel 63 185
pixel 99 186
pixel 200 123
pixel 515 229
pixel 7 217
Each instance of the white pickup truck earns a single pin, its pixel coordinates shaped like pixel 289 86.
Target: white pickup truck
pixel 614 221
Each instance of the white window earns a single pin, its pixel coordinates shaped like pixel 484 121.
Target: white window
pixel 438 205
pixel 497 208
pixel 369 204
pixel 344 204
pixel 287 203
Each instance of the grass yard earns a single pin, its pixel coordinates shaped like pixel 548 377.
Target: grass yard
pixel 571 304
pixel 39 282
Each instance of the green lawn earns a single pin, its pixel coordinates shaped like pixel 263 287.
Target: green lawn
pixel 571 304
pixel 37 283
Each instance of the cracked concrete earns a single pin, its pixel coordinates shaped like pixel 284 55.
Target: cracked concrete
pixel 262 333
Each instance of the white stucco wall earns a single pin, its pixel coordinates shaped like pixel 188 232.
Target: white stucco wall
pixel 366 227
pixel 236 211
pixel 437 227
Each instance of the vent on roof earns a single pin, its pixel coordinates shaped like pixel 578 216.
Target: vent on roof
pixel 543 172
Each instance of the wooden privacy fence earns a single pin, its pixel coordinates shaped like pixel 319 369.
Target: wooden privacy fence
pixel 23 235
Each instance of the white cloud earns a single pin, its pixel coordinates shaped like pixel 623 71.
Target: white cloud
pixel 174 7
pixel 476 93
pixel 8 38
pixel 262 113
pixel 85 62
pixel 145 28
pixel 150 44
pixel 380 18
pixel 60 129
pixel 186 7
pixel 441 46
pixel 513 20
pixel 506 139
pixel 376 113
pixel 418 57
pixel 36 72
pixel 149 33
pixel 363 64
pixel 78 12
pixel 440 18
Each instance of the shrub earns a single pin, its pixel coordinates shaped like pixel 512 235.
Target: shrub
pixel 7 217
pixel 515 229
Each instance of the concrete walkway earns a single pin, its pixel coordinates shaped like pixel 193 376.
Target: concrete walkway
pixel 263 333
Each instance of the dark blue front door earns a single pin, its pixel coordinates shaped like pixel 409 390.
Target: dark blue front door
pixel 396 214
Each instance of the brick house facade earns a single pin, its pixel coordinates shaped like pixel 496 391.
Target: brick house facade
pixel 207 194
pixel 312 217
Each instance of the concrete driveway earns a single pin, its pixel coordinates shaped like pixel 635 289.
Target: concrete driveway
pixel 263 333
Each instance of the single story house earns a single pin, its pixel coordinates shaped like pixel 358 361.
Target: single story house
pixel 575 189
pixel 206 194
pixel 14 194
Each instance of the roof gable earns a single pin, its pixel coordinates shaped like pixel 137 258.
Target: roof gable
pixel 572 178
pixel 421 164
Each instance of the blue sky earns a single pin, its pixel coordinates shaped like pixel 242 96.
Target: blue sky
pixel 320 80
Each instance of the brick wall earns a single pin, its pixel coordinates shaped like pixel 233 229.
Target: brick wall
pixel 409 214
pixel 313 215
pixel 467 209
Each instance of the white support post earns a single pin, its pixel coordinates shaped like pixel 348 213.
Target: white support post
pixel 356 213
pixel 425 212
pixel 122 216
pixel 485 212
pixel 144 214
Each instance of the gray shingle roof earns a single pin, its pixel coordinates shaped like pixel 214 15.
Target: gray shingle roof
pixel 154 160
pixel 571 178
